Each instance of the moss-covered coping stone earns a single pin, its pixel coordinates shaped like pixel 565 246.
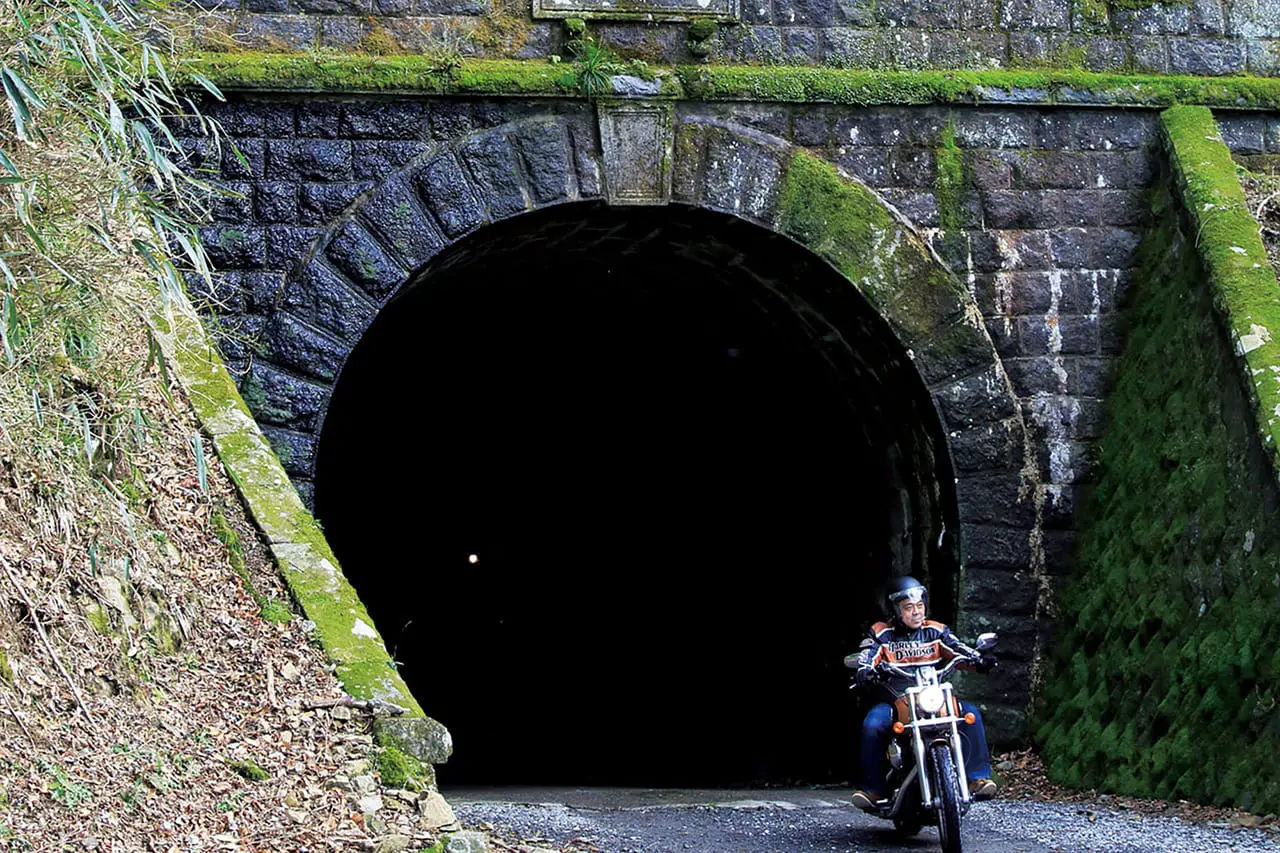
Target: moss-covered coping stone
pixel 352 73
pixel 303 557
pixel 1242 279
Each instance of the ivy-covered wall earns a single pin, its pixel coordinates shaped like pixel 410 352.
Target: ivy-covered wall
pixel 1166 668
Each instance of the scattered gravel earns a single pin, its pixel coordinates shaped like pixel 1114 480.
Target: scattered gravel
pixel 809 822
pixel 1074 829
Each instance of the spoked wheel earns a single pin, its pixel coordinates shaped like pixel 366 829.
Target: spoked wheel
pixel 946 786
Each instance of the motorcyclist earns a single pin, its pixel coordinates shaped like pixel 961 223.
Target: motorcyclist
pixel 908 639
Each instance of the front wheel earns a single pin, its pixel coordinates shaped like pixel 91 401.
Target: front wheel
pixel 946 787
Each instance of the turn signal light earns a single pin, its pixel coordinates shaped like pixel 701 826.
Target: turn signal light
pixel 899 728
pixel 970 719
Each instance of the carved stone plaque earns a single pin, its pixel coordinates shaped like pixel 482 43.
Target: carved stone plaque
pixel 637 10
pixel 637 140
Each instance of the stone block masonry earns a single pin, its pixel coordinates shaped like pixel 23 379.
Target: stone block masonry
pixel 1043 230
pixel 1199 37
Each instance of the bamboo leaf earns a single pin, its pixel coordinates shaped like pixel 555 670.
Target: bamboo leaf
pixel 17 104
pixel 209 86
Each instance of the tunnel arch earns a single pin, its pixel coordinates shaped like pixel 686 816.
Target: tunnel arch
pixel 411 226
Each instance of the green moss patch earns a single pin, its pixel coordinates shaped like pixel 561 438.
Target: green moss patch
pixel 1164 674
pixel 799 84
pixel 399 770
pixel 303 557
pixel 1231 249
pixel 364 73
pixel 1048 86
pixel 850 227
pixel 249 771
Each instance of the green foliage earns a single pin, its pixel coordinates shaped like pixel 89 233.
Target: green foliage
pixel 63 788
pixel 596 64
pixel 950 184
pixel 399 769
pixel 271 610
pixel 248 770
pixel 1155 683
pixel 702 29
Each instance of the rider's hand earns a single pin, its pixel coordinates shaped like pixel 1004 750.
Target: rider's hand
pixel 986 663
pixel 864 675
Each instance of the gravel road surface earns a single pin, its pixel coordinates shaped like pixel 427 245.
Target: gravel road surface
pixel 818 821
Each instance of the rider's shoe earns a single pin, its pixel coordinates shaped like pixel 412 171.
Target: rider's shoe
pixel 866 800
pixel 982 789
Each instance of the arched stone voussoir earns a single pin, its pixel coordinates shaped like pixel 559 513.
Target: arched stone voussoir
pixel 866 240
pixel 326 299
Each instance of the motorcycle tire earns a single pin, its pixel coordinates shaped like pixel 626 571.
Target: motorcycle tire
pixel 946 787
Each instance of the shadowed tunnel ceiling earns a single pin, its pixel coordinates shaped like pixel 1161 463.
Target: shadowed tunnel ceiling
pixel 685 454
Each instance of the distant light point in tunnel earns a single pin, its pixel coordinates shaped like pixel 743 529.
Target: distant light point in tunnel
pixel 473 559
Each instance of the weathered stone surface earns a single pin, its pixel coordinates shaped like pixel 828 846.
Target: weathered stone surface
pixel 287 245
pixel 421 737
pixel 384 120
pixel 958 49
pixel 989 129
pixel 320 204
pixel 989 546
pixel 434 811
pixel 447 194
pixel 295 450
pixel 493 163
pixel 234 246
pixel 309 160
pixel 1205 56
pixel 275 201
pixel 233 202
pixel 394 212
pixel 1243 134
pixel 329 301
pixel 1263 57
pixel 318 118
pixel 1253 18
pixel 981 398
pixel 243 158
pixel 1034 14
pixel 280 32
pixel 375 160
pixel 1157 19
pixel 801 45
pixel 987 447
pixel 355 252
pixel 292 344
pixel 1001 591
pixel 277 397
pixel 586 159
pixel 543 150
pixel 637 144
pixel 805 13
pixel 1002 499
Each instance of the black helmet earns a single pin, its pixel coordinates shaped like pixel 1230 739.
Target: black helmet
pixel 904 588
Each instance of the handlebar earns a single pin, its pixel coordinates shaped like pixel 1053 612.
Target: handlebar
pixel 894 669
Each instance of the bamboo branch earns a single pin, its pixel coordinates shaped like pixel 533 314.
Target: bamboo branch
pixel 44 638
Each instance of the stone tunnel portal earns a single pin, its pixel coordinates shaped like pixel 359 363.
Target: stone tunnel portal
pixel 619 487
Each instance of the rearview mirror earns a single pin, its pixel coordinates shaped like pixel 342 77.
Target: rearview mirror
pixel 986 641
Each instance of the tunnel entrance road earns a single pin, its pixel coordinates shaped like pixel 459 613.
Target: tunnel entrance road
pixel 812 821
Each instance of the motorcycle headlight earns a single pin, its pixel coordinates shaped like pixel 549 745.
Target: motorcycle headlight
pixel 930 700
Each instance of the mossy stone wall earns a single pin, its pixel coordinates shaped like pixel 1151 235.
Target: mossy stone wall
pixel 1166 666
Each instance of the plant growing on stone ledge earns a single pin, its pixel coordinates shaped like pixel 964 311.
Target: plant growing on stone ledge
pixel 596 64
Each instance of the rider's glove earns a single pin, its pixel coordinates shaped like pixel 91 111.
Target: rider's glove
pixel 864 676
pixel 986 663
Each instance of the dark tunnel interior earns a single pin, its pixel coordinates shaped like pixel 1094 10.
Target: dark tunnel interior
pixel 620 486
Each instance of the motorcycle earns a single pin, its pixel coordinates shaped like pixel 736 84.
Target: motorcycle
pixel 927 781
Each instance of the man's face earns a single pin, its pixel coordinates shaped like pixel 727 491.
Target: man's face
pixel 911 613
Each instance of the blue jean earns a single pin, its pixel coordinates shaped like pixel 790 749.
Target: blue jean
pixel 877 729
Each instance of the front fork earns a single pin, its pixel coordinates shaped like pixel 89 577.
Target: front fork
pixel 957 749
